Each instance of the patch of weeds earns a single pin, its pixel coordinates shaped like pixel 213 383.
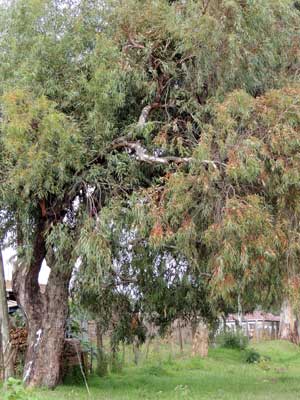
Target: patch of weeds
pixel 264 364
pixel 170 361
pixel 252 356
pixel 182 391
pixel 194 363
pixel 14 390
pixel 73 376
pixel 116 364
pixel 155 370
pixel 232 340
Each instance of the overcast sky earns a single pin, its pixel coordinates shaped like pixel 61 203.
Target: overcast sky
pixel 8 254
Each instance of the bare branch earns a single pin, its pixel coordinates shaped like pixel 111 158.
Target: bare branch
pixel 142 154
pixel 132 44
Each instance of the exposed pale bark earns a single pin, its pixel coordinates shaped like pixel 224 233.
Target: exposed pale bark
pixel 46 315
pixel 143 155
pixel 7 367
pixel 194 324
pixel 145 114
pixel 289 324
pixel 200 341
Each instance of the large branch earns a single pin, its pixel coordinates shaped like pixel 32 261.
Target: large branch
pixel 143 155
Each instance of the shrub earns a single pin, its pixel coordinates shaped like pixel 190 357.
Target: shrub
pixel 102 363
pixel 233 340
pixel 155 370
pixel 116 364
pixel 252 356
pixel 14 390
pixel 73 376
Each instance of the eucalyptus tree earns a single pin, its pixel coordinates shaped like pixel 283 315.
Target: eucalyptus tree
pixel 106 100
pixel 56 171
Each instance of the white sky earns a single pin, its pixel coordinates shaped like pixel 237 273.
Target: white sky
pixel 8 254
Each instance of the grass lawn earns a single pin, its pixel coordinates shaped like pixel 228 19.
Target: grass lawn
pixel 223 375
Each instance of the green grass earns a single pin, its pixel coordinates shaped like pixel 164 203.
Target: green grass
pixel 223 375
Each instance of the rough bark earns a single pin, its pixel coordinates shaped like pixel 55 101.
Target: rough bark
pixel 7 367
pixel 289 324
pixel 2 369
pixel 46 315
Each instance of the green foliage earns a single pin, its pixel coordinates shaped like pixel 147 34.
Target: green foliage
pixel 73 376
pixel 18 319
pixel 14 390
pixel 232 340
pixel 102 363
pixel 42 142
pixel 252 356
pixel 155 370
pixel 116 363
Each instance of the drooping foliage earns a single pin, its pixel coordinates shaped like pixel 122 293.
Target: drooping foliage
pixel 208 80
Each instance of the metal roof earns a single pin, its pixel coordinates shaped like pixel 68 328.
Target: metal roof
pixel 255 316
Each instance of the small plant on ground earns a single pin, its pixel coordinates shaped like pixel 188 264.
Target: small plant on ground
pixel 232 340
pixel 156 370
pixel 252 356
pixel 14 390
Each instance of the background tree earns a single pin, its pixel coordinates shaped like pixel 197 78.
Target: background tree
pixel 54 178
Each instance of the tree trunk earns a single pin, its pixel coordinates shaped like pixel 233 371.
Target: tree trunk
pixel 180 335
pixel 289 324
pixel 123 353
pixel 136 350
pixel 148 347
pixel 7 368
pixel 194 325
pixel 2 369
pixel 46 333
pixel 46 315
pixel 101 357
pixel 200 341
